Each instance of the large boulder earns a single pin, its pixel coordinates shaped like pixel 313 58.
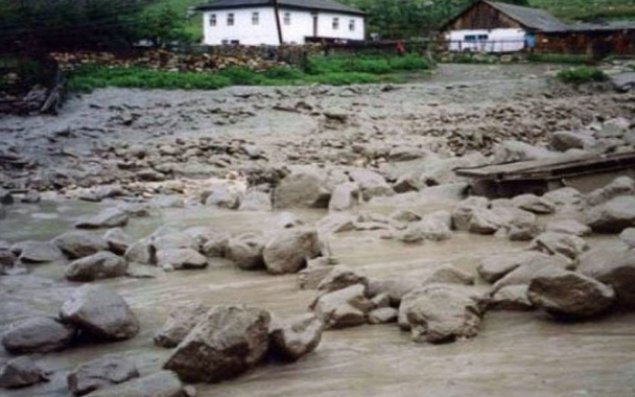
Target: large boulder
pixel 628 237
pixel 37 335
pixel 566 197
pixel 533 203
pixel 181 258
pixel 621 186
pixel 101 313
pixel 101 373
pixel 21 372
pixel 493 268
pixel 160 384
pixel 435 226
pixel 108 218
pixel 371 184
pixel 303 188
pixel 552 243
pixel 440 313
pixel 37 252
pixel 340 277
pixel 612 266
pixel 221 196
pixel 462 213
pixel 80 244
pixel 343 308
pixel 246 251
pixel 568 226
pixel 118 241
pixel 179 323
pixel 512 297
pixel 485 221
pixel 565 140
pixel 532 265
pixel 344 196
pixel 564 292
pixel 613 216
pixel 228 341
pixel 289 251
pixel 295 337
pixel 101 265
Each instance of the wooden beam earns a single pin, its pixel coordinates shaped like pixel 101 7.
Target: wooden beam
pixel 276 10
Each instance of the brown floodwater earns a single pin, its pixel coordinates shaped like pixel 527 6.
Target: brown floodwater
pixel 516 354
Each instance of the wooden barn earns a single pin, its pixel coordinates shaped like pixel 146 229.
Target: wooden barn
pixel 489 26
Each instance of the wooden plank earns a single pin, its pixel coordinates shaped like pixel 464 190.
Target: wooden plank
pixel 550 169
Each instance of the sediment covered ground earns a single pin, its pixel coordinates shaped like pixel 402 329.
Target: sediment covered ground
pixel 361 166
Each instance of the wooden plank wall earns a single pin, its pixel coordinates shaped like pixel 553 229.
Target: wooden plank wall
pixel 599 43
pixel 483 16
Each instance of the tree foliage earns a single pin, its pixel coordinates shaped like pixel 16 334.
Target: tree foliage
pixel 46 25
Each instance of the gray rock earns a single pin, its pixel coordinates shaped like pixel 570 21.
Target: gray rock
pixel 621 186
pixel 306 188
pixel 462 213
pixel 485 221
pixel 371 184
pixel 31 197
pixel 179 324
pixel 493 268
pixel 559 243
pixel 512 151
pixel 160 384
pixel 565 140
pixel 440 313
pixel 406 216
pixel 37 335
pixel 37 252
pixel 533 203
pixel 96 267
pixel 216 245
pixel 623 82
pixel 8 261
pixel 168 201
pixel 296 337
pixel 528 269
pixel 613 216
pixel 512 297
pixel 100 374
pixel 568 226
pixel 563 292
pixel 255 200
pixel 221 196
pixel 110 217
pixel 613 128
pixel 344 197
pixel 628 237
pixel 101 313
pixel 227 342
pixel 118 241
pixel 343 308
pixel 566 197
pixel 383 315
pixel 340 277
pixel 336 223
pixel 289 251
pixel 181 258
pixel 614 267
pixel 21 372
pixel 246 251
pixel 80 244
pixel 141 252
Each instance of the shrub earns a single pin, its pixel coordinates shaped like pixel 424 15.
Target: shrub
pixel 560 58
pixel 583 74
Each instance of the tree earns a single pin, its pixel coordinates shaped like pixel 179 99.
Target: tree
pixel 162 26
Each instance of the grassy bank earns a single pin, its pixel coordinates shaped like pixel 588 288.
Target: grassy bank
pixel 336 70
pixel 582 74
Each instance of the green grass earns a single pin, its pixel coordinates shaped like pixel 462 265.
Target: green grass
pixel 574 59
pixel 320 70
pixel 582 74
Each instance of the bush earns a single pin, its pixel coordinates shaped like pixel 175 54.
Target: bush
pixel 372 64
pixel 283 73
pixel 560 58
pixel 583 74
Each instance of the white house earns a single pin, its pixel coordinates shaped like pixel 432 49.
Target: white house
pixel 253 22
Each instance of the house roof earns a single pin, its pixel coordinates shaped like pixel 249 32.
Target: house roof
pixel 605 26
pixel 531 18
pixel 312 5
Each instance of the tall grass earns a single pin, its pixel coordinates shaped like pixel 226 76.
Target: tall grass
pixel 574 59
pixel 582 74
pixel 340 70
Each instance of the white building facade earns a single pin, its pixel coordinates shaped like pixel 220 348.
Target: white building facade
pixel 253 22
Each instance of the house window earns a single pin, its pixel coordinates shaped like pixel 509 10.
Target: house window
pixel 255 18
pixel 230 19
pixel 234 42
pixel 287 18
pixel 482 37
pixel 224 42
pixel 351 25
pixel 336 23
pixel 212 20
pixel 472 38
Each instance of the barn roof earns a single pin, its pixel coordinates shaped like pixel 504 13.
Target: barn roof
pixel 310 5
pixel 531 18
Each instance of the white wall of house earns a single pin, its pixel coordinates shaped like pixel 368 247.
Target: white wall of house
pixel 296 26
pixel 483 40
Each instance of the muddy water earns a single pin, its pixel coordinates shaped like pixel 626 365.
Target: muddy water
pixel 516 354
